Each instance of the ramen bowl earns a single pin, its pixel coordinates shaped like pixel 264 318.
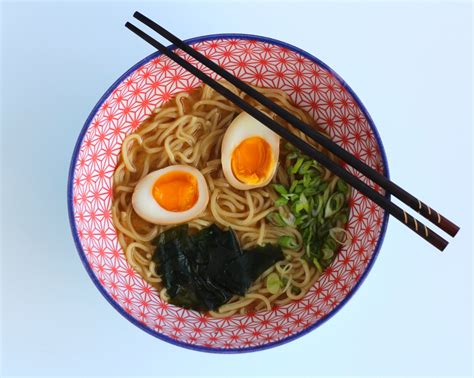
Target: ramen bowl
pixel 264 62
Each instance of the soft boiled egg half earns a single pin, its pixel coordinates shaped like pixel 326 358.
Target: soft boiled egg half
pixel 175 194
pixel 249 153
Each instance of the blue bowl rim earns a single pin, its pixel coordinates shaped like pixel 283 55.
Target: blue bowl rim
pixel 82 255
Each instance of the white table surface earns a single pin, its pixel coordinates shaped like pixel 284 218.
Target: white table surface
pixel 410 63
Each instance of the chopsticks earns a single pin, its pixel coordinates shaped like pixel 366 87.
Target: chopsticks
pixel 306 148
pixel 426 211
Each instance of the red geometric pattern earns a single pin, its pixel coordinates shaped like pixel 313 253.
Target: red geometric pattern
pixel 264 64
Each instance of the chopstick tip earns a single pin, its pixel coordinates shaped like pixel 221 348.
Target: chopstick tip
pixel 443 247
pixel 139 16
pixel 455 231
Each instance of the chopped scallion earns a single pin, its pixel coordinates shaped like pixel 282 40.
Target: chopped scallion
pixel 287 241
pixel 276 219
pixel 342 186
pixel 305 167
pixel 317 265
pixel 316 203
pixel 297 165
pixel 334 204
pixel 281 201
pixel 273 283
pixel 280 189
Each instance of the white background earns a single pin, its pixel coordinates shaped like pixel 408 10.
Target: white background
pixel 410 63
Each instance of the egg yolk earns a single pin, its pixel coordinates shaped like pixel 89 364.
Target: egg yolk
pixel 252 160
pixel 176 191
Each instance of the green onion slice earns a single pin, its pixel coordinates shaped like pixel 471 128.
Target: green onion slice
pixel 297 165
pixel 273 283
pixel 334 204
pixel 280 189
pixel 276 219
pixel 287 241
pixel 317 265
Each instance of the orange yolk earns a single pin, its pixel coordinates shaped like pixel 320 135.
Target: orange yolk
pixel 252 160
pixel 176 191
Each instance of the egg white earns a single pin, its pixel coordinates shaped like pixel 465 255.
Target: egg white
pixel 244 126
pixel 150 210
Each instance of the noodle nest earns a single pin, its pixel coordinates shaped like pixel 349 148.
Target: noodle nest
pixel 189 130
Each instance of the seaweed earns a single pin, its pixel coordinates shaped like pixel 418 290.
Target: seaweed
pixel 239 274
pixel 204 270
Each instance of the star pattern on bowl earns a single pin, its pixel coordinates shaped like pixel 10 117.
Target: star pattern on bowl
pixel 313 88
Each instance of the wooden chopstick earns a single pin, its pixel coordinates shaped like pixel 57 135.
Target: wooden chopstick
pixel 410 200
pixel 385 203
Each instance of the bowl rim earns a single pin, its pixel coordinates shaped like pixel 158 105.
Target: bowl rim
pixel 82 256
